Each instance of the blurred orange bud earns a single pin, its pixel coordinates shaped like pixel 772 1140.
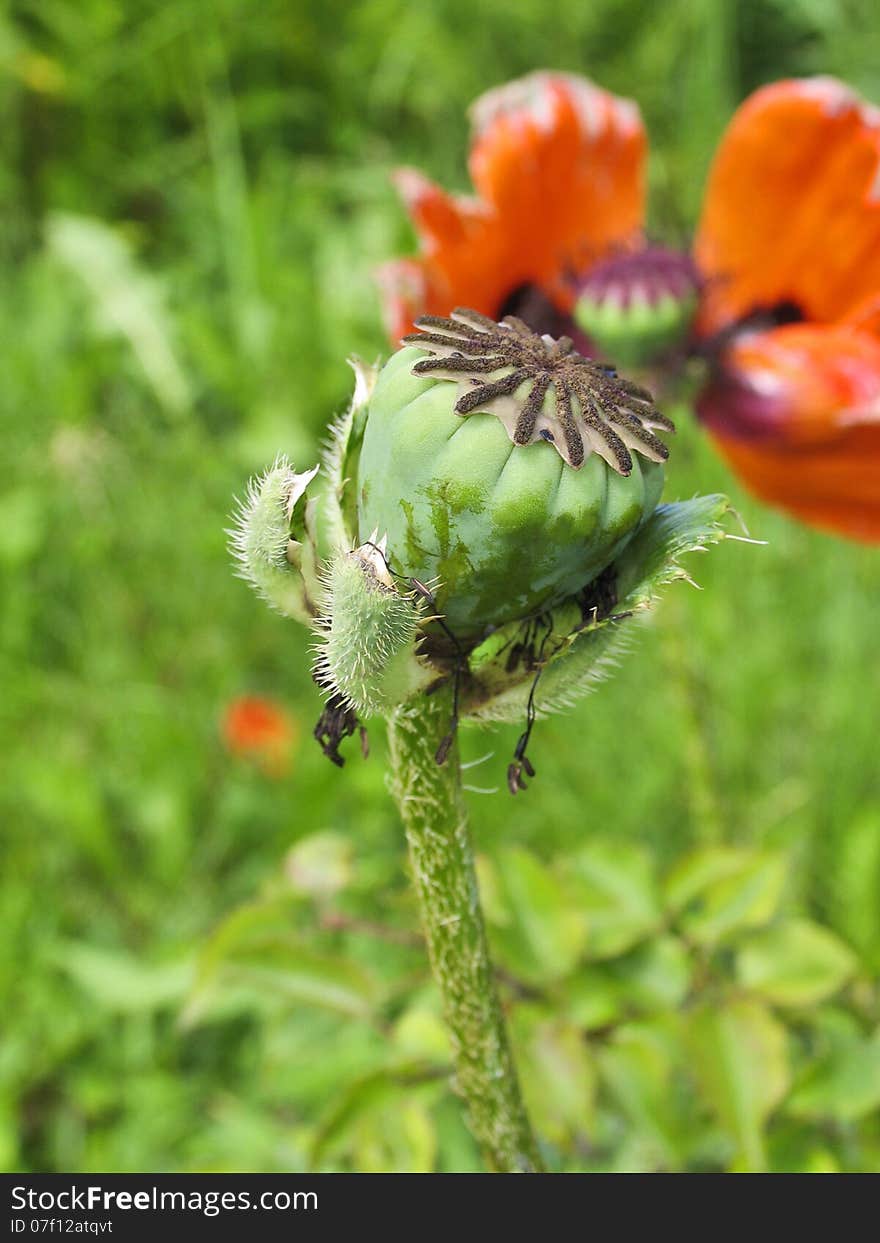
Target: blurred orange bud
pixel 261 730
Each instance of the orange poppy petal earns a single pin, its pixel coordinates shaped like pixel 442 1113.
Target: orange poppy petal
pixel 816 490
pixel 562 163
pixel 462 261
pixel 440 219
pixel 792 206
pixel 404 294
pixel 796 412
pixel 866 314
pixel 559 165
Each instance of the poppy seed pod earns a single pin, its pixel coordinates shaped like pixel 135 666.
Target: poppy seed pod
pixel 504 467
pixel 485 518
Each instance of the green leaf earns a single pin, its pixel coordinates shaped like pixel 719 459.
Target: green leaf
pixel 654 976
pixel 637 1067
pixel 699 869
pixel 122 983
pixel 402 1139
pixel 371 1095
pixel 835 1025
pixel 591 998
pixel 796 963
pixel 537 930
pixel 740 1057
pixel 301 975
pixel 256 948
pixel 853 882
pixel 616 893
pixel 557 1072
pixel 746 898
pixel 844 1086
pixel 420 1031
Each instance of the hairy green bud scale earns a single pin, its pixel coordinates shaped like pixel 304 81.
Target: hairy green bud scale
pixel 369 633
pixel 272 540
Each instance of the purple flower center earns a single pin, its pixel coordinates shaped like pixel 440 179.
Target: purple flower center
pixel 647 275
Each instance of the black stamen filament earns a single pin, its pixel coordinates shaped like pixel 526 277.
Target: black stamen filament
pixel 521 762
pixel 337 722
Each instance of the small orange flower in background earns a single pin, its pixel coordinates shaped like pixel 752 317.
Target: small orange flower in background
pixel 260 730
pixel 789 242
pixel 787 268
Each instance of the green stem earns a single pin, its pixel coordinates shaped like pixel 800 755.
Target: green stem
pixel 434 816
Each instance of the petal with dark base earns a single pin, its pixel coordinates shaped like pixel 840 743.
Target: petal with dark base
pixel 558 165
pixel 796 412
pixel 792 207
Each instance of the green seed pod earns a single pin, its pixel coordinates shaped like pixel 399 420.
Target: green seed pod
pixel 504 467
pixel 486 520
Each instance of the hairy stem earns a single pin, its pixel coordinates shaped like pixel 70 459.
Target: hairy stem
pixel 433 813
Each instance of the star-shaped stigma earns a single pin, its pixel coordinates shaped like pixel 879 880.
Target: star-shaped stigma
pixel 541 389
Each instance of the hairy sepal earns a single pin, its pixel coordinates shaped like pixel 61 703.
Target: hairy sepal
pixel 272 540
pixel 578 653
pixel 369 635
pixel 339 462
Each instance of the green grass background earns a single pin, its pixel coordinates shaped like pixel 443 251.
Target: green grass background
pixel 192 200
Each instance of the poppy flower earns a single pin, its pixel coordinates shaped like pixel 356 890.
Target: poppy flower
pixel 558 166
pixel 260 730
pixel 789 246
pixel 786 267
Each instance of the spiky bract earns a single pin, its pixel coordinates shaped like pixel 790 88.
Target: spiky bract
pixel 368 635
pixel 269 540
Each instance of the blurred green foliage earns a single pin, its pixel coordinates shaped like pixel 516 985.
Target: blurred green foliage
pixel 201 968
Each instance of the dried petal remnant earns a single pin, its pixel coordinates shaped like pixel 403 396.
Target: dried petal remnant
pixel 541 389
